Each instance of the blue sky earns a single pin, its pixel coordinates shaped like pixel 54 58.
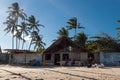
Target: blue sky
pixel 95 15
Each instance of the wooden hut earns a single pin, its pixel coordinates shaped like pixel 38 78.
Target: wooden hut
pixel 64 51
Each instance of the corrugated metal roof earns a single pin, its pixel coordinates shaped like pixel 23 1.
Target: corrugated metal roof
pixel 17 51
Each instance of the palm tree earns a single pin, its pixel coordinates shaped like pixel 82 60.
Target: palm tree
pixel 14 13
pixel 33 23
pixel 33 38
pixel 38 43
pixel 33 27
pixel 73 24
pixel 18 35
pixel 37 40
pixel 24 31
pixel 10 28
pixel 81 39
pixel 63 32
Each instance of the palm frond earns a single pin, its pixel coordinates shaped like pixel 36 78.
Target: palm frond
pixel 118 28
pixel 118 21
pixel 96 37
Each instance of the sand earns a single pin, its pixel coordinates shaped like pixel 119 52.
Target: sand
pixel 8 72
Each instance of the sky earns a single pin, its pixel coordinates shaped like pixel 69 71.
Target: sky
pixel 95 15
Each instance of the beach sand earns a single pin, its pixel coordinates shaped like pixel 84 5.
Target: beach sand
pixel 8 72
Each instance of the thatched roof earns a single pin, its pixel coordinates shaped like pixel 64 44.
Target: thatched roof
pixel 18 51
pixel 61 43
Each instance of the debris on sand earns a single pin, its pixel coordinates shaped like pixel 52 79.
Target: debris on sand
pixel 98 65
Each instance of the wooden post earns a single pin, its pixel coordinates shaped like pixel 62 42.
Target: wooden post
pixel 60 59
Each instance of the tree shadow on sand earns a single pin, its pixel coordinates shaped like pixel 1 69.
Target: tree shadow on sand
pixel 71 74
pixel 18 74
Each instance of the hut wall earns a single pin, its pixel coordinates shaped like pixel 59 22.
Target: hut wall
pixel 26 58
pixel 83 57
pixel 96 57
pixel 72 56
pixel 75 56
pixel 4 58
pixel 110 58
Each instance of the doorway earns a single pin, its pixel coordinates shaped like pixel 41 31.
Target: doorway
pixel 57 59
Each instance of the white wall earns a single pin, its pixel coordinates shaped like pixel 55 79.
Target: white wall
pixel 110 58
pixel 84 57
pixel 21 58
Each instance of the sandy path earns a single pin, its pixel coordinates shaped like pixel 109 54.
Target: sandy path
pixel 58 73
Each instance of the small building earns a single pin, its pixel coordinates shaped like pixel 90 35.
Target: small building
pixel 110 58
pixel 64 51
pixel 22 56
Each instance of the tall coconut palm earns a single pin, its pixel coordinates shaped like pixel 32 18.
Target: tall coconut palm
pixel 24 31
pixel 33 38
pixel 33 27
pixel 10 28
pixel 18 35
pixel 73 24
pixel 15 13
pixel 37 40
pixel 63 32
pixel 81 39
pixel 34 24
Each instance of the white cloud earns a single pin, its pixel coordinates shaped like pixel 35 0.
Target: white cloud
pixel 28 38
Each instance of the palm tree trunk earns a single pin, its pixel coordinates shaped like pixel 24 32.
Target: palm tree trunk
pixel 23 42
pixel 12 42
pixel 30 44
pixel 75 34
pixel 17 32
pixel 16 42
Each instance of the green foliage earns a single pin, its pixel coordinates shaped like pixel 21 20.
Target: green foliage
pixel 107 43
pixel 63 32
pixel 81 39
pixel 34 24
pixel 13 18
pixel 92 46
pixel 73 24
pixel 118 33
pixel 40 49
pixel 34 32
